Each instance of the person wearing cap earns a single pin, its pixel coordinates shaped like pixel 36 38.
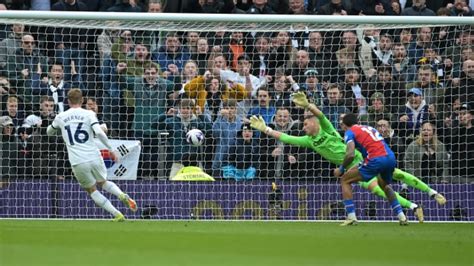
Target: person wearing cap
pixel 8 149
pixel 243 156
pixel 433 93
pixel 7 125
pixel 412 114
pixel 313 88
pixel 461 144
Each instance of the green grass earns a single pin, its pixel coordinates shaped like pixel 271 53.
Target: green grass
pixel 40 242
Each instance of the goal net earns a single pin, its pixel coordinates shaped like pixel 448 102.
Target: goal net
pixel 151 78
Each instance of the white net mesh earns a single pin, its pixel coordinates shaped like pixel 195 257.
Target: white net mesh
pixel 152 81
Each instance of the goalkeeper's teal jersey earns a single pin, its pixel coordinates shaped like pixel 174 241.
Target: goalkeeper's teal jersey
pixel 328 143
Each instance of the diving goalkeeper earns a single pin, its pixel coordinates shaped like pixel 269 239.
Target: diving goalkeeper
pixel 324 139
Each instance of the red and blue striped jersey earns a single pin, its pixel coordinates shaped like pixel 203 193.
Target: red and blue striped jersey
pixel 368 141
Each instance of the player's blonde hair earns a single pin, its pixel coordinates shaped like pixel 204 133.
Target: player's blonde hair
pixel 75 96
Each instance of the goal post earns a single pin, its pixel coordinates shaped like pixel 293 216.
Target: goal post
pixel 153 77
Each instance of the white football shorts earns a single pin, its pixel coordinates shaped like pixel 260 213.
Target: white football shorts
pixel 88 173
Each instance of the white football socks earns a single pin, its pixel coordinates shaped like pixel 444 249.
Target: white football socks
pixel 103 202
pixel 112 188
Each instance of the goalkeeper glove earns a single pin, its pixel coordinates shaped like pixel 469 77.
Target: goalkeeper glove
pixel 259 124
pixel 299 98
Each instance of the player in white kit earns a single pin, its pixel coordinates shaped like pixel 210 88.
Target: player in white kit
pixel 78 126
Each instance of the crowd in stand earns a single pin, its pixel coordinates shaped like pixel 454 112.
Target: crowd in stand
pixel 415 85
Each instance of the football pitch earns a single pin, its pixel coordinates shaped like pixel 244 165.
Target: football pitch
pixel 98 242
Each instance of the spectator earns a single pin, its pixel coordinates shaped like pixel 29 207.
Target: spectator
pixel 208 87
pixel 416 49
pixel 47 152
pixel 243 156
pixel 297 7
pixel 125 6
pixel 334 106
pixel 202 55
pixel 16 114
pixel 432 92
pixel 461 142
pixel 234 49
pixel 394 91
pixel 224 132
pixel 335 7
pixel 283 87
pixel 426 157
pixel 283 54
pixel 244 77
pixel 150 94
pixel 418 9
pixel 459 8
pixel 463 87
pixel 177 122
pixel 392 139
pixel 265 106
pixel 70 43
pixel 373 7
pixel 301 64
pixel 315 91
pixel 28 67
pixel 56 86
pixel 5 92
pixel 133 67
pixel 413 114
pixel 260 7
pixel 465 38
pixel 10 45
pixel 279 160
pixel 190 71
pixel 383 52
pixel 8 145
pixel 324 60
pixel 405 37
pixel 403 70
pixel 260 57
pixel 93 105
pixel 349 54
pixel 172 56
pixel 191 41
pixel 105 42
pixel 355 93
pixel 376 111
pixel 396 7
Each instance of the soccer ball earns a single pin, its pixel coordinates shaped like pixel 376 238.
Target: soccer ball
pixel 195 137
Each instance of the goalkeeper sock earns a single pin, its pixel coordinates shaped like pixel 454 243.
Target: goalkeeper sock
pixel 412 181
pixel 103 202
pixel 403 202
pixel 112 188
